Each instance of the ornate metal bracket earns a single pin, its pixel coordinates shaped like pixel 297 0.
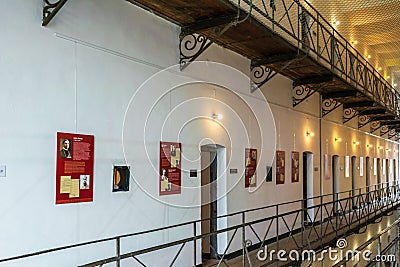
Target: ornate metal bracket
pixel 363 120
pixel 329 105
pixel 375 125
pixel 301 93
pixel 260 75
pixel 349 114
pixel 384 130
pixel 191 47
pixel 392 133
pixel 50 10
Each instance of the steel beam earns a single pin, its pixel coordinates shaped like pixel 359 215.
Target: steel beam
pixel 339 94
pixel 383 118
pixel 207 24
pixel 359 104
pixel 273 59
pixel 313 80
pixel 373 111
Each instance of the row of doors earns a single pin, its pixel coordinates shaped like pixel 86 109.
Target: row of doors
pixel 211 167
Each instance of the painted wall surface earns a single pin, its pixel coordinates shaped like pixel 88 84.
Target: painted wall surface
pixel 87 72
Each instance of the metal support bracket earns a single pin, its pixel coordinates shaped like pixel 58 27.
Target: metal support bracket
pixel 192 45
pixel 384 130
pixel 301 93
pixel 50 10
pixel 363 120
pixel 329 105
pixel 261 74
pixel 375 125
pixel 392 133
pixel 349 114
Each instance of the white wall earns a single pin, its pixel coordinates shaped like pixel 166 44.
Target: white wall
pixel 79 75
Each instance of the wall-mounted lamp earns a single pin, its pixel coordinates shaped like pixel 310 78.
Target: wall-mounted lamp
pixel 381 147
pixel 370 146
pixel 356 143
pixel 310 133
pixel 338 139
pixel 217 116
pixel 388 149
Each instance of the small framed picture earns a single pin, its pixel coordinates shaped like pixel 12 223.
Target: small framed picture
pixel 121 175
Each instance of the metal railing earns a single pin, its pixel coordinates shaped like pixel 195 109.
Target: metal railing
pixel 380 249
pixel 303 26
pixel 296 225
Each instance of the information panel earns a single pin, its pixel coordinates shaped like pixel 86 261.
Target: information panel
pixel 170 168
pixel 250 168
pixel 280 167
pixel 295 166
pixel 74 168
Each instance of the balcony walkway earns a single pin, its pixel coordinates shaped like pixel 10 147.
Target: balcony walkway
pixel 293 39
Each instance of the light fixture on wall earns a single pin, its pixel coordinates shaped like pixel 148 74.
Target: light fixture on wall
pixel 370 146
pixel 310 133
pixel 388 149
pixel 356 142
pixel 381 147
pixel 217 116
pixel 338 139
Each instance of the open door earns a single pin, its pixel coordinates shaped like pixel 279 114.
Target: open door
pixel 213 165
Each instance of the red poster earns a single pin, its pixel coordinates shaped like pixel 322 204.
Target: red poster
pixel 295 166
pixel 250 168
pixel 170 168
pixel 280 167
pixel 74 171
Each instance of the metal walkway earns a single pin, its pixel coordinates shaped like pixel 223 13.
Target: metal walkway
pixel 288 226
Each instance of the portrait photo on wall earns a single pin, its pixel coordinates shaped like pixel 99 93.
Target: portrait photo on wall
pixel 121 177
pixel 65 151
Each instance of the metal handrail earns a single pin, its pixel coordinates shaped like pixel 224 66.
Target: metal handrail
pixel 376 237
pixel 354 67
pixel 374 193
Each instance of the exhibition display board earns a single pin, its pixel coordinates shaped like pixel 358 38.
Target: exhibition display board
pixel 74 168
pixel 170 168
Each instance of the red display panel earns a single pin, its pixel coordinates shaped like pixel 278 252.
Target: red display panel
pixel 295 166
pixel 280 167
pixel 250 168
pixel 170 168
pixel 74 169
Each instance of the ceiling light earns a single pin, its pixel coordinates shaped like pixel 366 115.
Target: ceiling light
pixel 369 56
pixel 395 84
pixel 380 68
pixel 388 77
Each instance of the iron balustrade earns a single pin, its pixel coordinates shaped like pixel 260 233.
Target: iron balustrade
pixel 390 253
pixel 303 26
pixel 302 224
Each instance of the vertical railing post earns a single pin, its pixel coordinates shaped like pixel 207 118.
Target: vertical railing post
pixel 118 251
pixel 277 226
pixel 379 250
pixel 303 221
pixel 194 245
pixel 243 238
pixel 322 217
